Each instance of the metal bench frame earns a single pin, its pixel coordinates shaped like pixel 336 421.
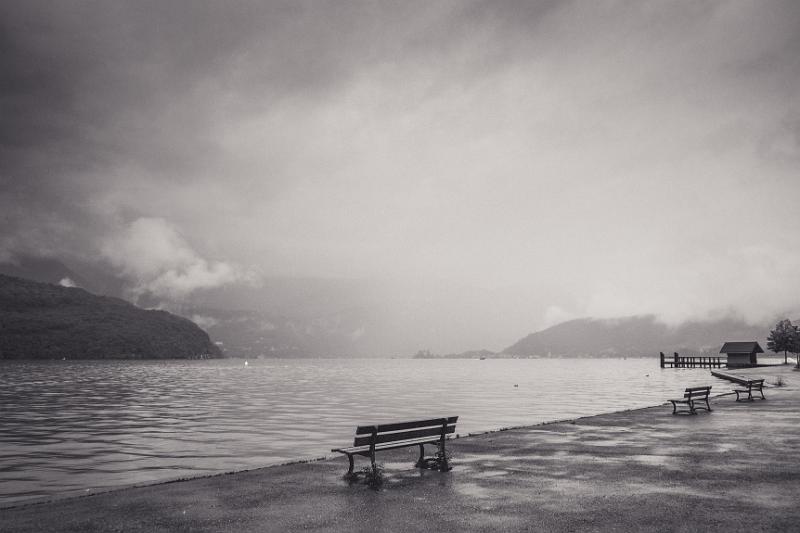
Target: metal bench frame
pixel 378 437
pixel 757 384
pixel 690 397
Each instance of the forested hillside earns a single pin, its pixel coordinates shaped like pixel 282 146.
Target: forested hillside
pixel 44 321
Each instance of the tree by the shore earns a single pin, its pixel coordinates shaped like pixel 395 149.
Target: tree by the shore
pixel 795 346
pixel 784 338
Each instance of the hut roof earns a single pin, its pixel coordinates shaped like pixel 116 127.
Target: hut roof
pixel 741 347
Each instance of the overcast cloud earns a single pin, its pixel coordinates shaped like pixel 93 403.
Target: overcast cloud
pixel 606 158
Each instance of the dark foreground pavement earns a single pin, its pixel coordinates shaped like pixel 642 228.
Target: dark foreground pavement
pixel 735 469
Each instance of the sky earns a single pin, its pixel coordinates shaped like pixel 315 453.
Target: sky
pixel 600 158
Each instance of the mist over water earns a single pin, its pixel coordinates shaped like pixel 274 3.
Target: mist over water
pixel 72 427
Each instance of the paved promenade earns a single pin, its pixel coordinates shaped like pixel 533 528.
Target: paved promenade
pixel 735 469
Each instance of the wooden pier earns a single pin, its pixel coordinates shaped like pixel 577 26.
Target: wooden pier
pixel 679 361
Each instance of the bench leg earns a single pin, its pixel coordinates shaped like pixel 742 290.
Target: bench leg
pixel 444 466
pixel 350 471
pixel 674 407
pixel 421 460
pixel 691 407
pixel 708 406
pixel 762 393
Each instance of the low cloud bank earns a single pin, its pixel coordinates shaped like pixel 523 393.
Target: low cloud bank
pixel 748 283
pixel 153 256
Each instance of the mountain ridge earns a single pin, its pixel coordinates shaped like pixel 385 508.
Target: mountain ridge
pixel 308 317
pixel 634 336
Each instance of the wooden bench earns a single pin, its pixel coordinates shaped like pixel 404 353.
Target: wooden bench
pixel 750 385
pixel 690 397
pixel 378 437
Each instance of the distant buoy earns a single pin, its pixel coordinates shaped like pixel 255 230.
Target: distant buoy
pixel 245 363
pixel 516 385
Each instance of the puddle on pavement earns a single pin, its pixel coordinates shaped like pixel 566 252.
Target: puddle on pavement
pixel 487 458
pixel 765 497
pixel 558 455
pixel 474 490
pixel 398 466
pixel 493 494
pixel 725 446
pixel 608 443
pixel 666 461
pixel 491 474
pixel 648 488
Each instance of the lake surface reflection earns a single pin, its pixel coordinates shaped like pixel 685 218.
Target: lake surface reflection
pixel 77 426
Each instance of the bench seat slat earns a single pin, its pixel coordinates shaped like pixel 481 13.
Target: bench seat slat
pixel 400 426
pixel 403 435
pixel 387 445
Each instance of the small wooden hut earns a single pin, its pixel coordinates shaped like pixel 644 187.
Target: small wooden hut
pixel 741 354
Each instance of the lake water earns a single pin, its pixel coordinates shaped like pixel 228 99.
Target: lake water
pixel 69 427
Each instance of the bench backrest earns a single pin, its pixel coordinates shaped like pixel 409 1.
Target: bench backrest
pixel 397 431
pixel 696 392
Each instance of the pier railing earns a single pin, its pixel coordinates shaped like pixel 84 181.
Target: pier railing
pixel 681 361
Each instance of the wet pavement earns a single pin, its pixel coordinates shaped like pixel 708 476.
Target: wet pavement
pixel 642 470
